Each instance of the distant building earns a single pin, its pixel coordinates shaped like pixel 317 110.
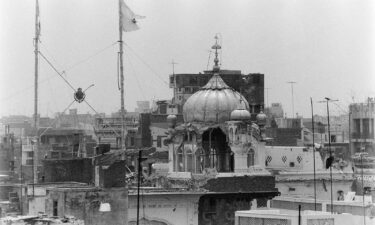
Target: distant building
pixel 74 120
pixel 108 129
pixel 143 107
pixel 362 126
pixel 275 111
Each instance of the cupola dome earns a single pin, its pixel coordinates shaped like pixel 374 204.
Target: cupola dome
pixel 213 103
pixel 240 114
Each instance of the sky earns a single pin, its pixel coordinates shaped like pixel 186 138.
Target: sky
pixel 325 46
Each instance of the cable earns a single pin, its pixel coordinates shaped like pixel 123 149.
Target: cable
pixel 90 57
pixel 50 55
pixel 147 65
pixel 135 76
pixel 27 88
pixel 56 71
pixel 49 126
pixel 101 117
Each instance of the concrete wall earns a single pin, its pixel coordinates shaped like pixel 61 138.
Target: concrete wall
pixel 84 204
pixel 181 209
pixel 355 208
pixel 305 188
pixel 78 170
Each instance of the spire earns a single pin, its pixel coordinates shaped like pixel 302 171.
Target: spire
pixel 216 46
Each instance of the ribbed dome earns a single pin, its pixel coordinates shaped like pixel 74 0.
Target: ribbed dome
pixel 261 118
pixel 213 103
pixel 240 114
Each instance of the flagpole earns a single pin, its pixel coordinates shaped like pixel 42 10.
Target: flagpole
pixel 123 129
pixel 36 125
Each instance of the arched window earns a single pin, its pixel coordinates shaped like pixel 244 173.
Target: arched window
pixel 180 160
pixel 236 136
pixel 189 161
pixel 231 135
pixel 200 160
pixel 250 158
pixel 213 159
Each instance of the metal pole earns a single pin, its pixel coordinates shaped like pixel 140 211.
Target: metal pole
pixel 363 192
pixel 36 67
pixel 21 200
pixel 139 182
pixel 330 154
pixel 123 128
pixel 313 145
pixel 174 82
pixel 291 84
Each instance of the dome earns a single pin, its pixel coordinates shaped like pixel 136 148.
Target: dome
pixel 261 118
pixel 171 120
pixel 213 103
pixel 240 114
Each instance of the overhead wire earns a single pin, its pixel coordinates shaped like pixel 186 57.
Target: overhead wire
pixel 146 64
pixel 90 57
pixel 135 75
pixel 54 68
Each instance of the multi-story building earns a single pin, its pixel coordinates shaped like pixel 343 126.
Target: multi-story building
pixel 362 117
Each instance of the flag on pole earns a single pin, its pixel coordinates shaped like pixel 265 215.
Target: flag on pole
pixel 128 18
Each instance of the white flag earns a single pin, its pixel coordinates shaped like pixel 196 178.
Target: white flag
pixel 129 18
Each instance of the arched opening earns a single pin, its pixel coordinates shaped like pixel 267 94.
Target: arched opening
pixel 180 160
pixel 189 160
pixel 216 150
pixel 250 158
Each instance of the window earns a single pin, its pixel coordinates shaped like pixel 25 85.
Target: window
pixel 291 164
pixel 180 160
pixel 250 158
pixel 231 134
pixel 54 208
pixel 199 157
pixel 131 141
pixel 30 154
pixel 189 161
pixel 158 142
pixel 54 155
pixel 29 162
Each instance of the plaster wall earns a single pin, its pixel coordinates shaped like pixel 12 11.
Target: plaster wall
pixel 84 204
pixel 169 209
pixel 37 204
pixel 282 158
pixel 305 188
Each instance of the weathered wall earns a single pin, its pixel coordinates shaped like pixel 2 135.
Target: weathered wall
pixel 79 170
pixel 114 176
pixel 181 209
pixel 84 204
pixel 305 188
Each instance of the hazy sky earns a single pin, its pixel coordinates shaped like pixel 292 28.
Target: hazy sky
pixel 326 46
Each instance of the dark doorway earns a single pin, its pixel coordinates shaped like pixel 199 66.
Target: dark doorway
pixel 217 153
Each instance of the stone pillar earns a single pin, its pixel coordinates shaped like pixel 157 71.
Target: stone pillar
pixel 240 159
pixel 171 157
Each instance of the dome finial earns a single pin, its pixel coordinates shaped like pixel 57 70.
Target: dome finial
pixel 216 46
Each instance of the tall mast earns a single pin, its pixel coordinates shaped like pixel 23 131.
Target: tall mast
pixel 123 129
pixel 36 121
